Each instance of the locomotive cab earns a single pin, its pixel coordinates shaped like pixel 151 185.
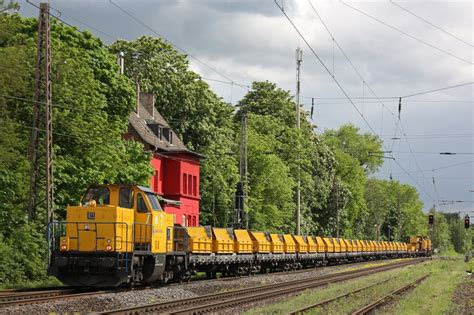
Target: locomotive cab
pixel 118 234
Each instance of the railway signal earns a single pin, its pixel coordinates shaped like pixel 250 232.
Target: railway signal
pixel 466 222
pixel 430 219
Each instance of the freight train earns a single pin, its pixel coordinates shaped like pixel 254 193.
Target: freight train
pixel 119 235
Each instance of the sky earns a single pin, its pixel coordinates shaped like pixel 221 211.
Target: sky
pixel 403 48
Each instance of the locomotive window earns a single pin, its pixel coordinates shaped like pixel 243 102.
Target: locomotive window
pixel 155 204
pixel 126 198
pixel 100 195
pixel 141 205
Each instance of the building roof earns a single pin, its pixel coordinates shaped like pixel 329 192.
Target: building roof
pixel 142 121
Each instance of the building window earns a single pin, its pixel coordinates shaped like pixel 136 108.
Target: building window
pixel 189 220
pixel 171 137
pixel 194 186
pixel 185 184
pixel 184 220
pixel 194 220
pixel 160 132
pixel 190 184
pixel 157 179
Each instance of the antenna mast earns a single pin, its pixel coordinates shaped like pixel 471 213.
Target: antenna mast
pixel 241 194
pixel 299 59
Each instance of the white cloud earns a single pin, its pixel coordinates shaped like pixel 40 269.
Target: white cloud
pixel 251 40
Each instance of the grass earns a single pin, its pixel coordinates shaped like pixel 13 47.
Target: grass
pixel 46 283
pixel 432 296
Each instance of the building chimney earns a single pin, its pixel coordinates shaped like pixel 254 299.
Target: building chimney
pixel 148 102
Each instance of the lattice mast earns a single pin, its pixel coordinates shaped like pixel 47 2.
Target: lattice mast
pixel 41 142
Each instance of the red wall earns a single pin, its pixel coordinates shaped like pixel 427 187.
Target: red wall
pixel 178 179
pixel 157 177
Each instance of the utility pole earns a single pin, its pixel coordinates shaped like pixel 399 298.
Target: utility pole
pixel 241 193
pixel 299 59
pixel 41 157
pixel 399 219
pixel 337 211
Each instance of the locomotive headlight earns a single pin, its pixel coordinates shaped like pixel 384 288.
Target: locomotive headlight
pixel 108 248
pixel 64 245
pixel 108 241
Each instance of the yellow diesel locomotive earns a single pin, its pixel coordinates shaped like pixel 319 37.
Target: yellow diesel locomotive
pixel 119 235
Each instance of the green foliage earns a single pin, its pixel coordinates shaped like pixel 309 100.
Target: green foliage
pixel 91 105
pixel 201 119
pixel 10 5
pixel 457 231
pixel 393 209
pixel 347 207
pixel 274 143
pixel 440 234
pixel 365 148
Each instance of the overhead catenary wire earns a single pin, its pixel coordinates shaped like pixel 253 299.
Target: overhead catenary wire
pixel 230 81
pixel 437 90
pixel 405 33
pixel 436 153
pixel 342 89
pixel 126 12
pixel 403 97
pixel 397 121
pixel 324 65
pixel 86 24
pixel 432 24
pixel 54 16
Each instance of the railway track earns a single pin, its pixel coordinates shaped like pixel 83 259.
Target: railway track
pixel 289 272
pixel 389 297
pixel 13 298
pixel 327 301
pixel 220 301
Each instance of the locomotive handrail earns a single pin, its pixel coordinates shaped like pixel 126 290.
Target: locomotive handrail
pixel 143 242
pixel 55 233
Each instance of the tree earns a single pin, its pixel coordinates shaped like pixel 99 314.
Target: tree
pixel 352 152
pixel 365 148
pixel 440 235
pixel 456 231
pixel 11 5
pixel 394 209
pixel 91 103
pixel 198 115
pixel 276 140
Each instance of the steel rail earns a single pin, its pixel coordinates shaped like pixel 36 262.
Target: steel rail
pixel 14 291
pixel 327 301
pixel 258 297
pixel 217 301
pixel 387 298
pixel 15 296
pixel 44 297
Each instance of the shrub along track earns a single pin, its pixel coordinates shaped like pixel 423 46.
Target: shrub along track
pixel 220 301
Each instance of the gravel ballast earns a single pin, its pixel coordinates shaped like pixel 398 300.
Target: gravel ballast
pixel 115 300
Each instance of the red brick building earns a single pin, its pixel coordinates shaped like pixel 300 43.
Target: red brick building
pixel 176 169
